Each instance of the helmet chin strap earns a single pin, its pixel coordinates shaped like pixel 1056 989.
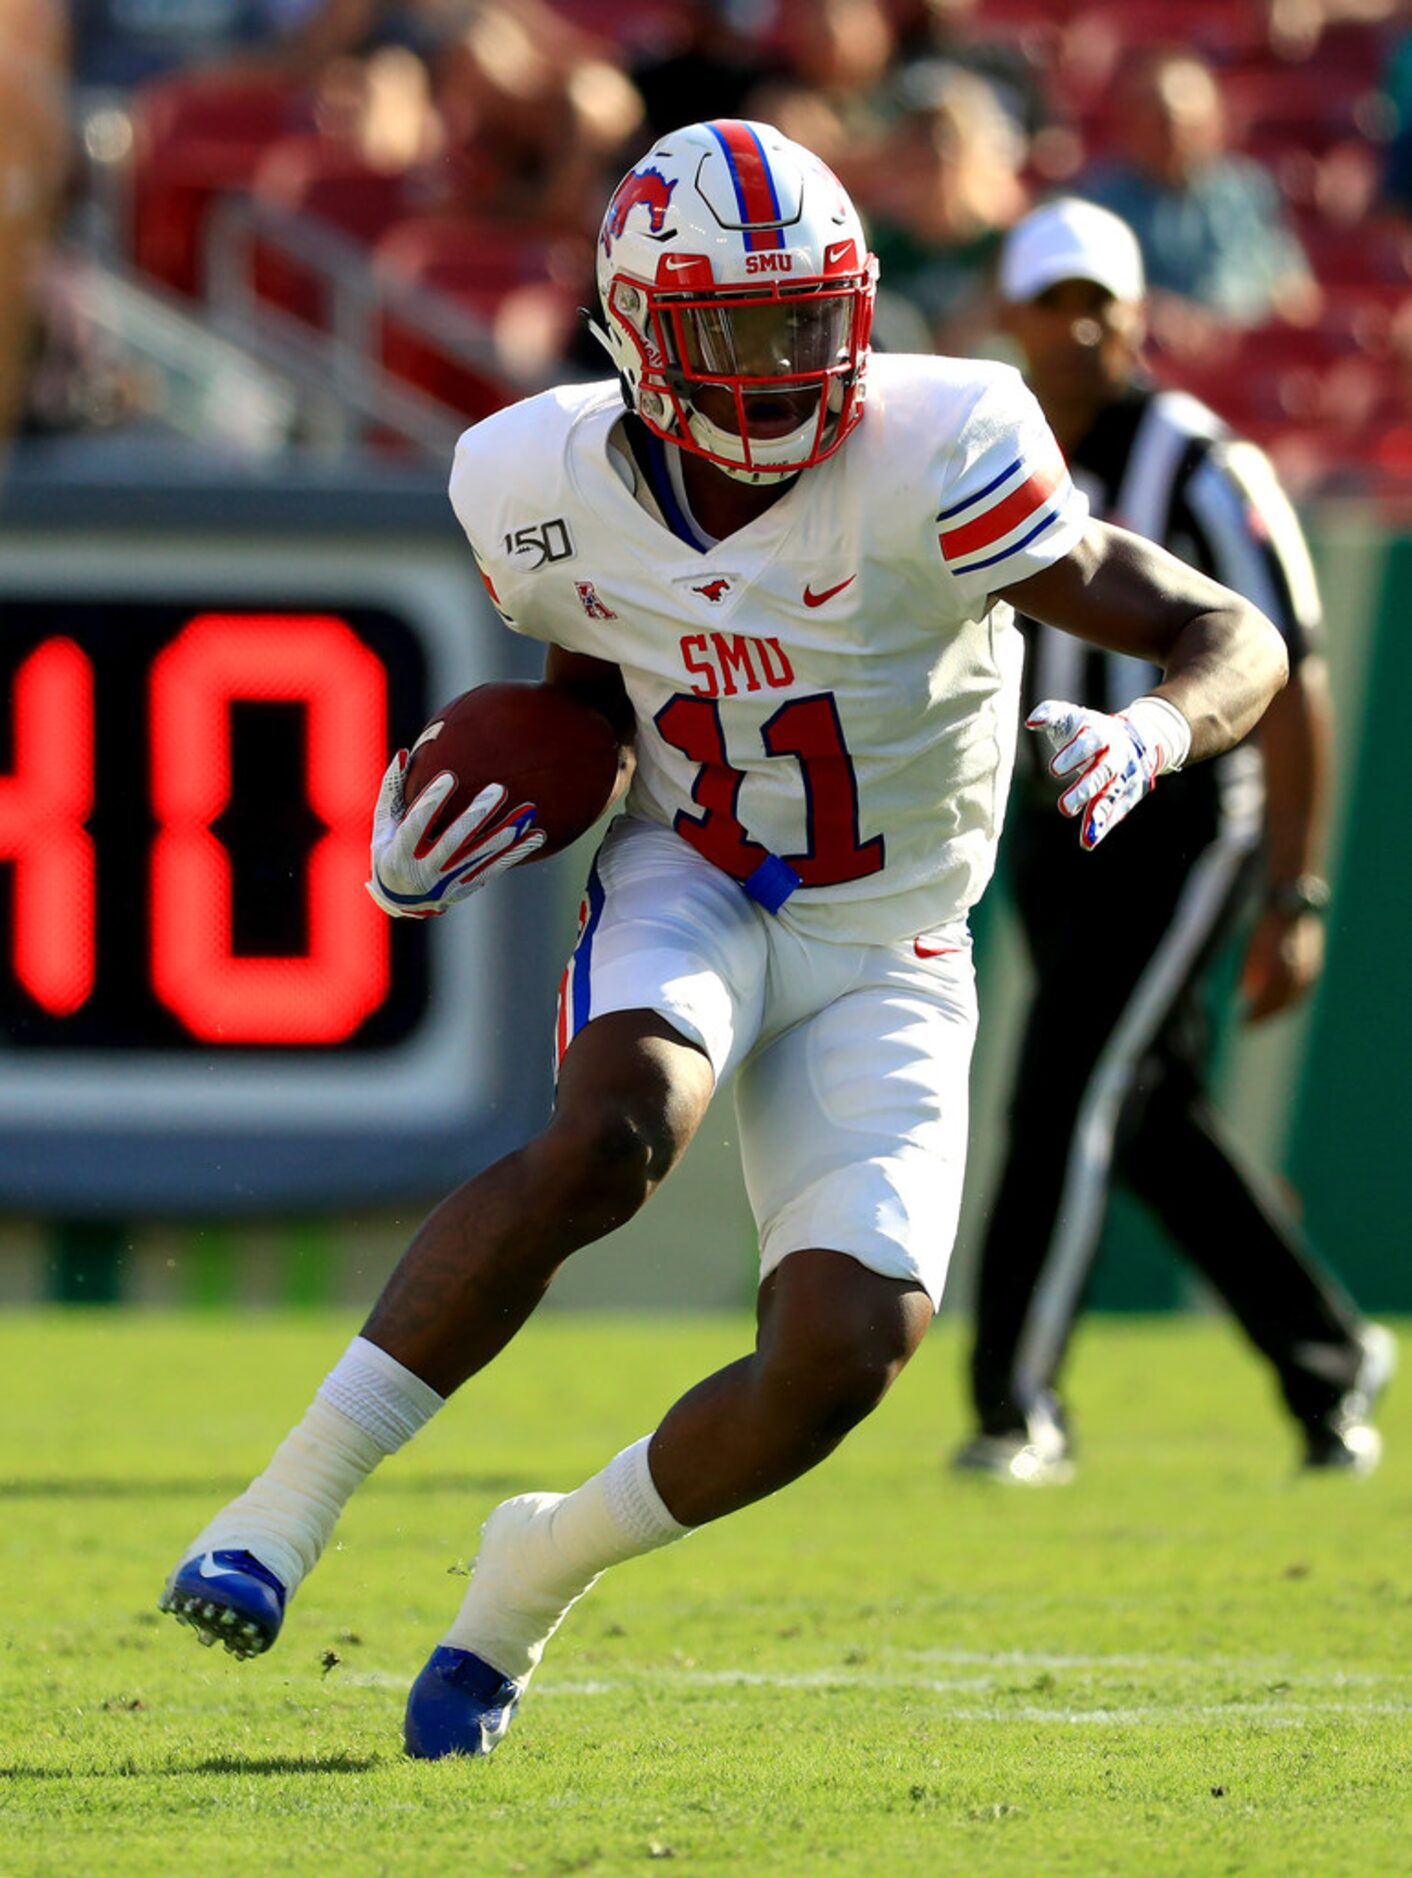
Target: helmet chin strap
pixel 719 444
pixel 596 327
pixel 712 439
pixel 741 475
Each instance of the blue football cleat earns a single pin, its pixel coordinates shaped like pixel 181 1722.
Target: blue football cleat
pixel 458 1705
pixel 229 1598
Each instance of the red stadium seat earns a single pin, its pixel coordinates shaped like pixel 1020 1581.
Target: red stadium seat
pixel 479 262
pixel 194 136
pixel 1352 51
pixel 1289 108
pixel 508 279
pixel 1375 253
pixel 329 182
pixel 408 353
pixel 1222 30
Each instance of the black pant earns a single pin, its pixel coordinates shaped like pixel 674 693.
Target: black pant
pixel 1111 1081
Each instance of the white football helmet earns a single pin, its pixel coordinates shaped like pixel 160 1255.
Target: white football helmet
pixel 737 293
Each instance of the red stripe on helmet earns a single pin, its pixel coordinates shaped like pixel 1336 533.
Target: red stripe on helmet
pixel 754 185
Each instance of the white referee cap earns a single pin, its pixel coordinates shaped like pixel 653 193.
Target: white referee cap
pixel 1071 240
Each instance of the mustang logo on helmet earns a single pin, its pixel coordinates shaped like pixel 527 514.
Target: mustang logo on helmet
pixel 649 188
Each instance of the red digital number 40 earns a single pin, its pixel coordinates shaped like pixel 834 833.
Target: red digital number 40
pixel 318 997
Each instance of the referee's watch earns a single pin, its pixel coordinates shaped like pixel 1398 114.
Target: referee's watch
pixel 1309 893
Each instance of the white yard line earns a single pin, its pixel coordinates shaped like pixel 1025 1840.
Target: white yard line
pixel 1276 1713
pixel 1276 1668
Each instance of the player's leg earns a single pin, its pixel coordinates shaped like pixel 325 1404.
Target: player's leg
pixel 633 1086
pixel 632 1092
pixel 1169 899
pixel 1021 1438
pixel 832 1337
pixel 853 1119
pixel 1079 995
pixel 1237 1229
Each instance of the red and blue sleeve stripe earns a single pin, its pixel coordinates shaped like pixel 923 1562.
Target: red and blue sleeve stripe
pixel 755 193
pixel 1036 500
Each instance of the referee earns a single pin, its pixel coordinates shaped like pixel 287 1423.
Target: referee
pixel 1113 1070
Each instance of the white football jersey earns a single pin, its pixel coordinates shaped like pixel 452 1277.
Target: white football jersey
pixel 827 700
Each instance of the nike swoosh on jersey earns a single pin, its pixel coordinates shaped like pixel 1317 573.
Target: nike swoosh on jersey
pixel 932 952
pixel 817 599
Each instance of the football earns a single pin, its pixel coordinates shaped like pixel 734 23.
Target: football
pixel 546 746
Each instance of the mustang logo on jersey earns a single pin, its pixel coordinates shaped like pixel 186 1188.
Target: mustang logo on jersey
pixel 714 590
pixel 646 188
pixel 592 605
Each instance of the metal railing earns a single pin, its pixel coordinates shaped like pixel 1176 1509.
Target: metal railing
pixel 340 359
pixel 245 373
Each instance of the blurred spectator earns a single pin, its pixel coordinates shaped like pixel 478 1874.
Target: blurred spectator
pixel 535 126
pixel 711 70
pixel 33 159
pixel 1297 26
pixel 838 54
pixel 1397 89
pixel 121 43
pixel 954 30
pixel 1211 224
pixel 944 188
pixel 381 105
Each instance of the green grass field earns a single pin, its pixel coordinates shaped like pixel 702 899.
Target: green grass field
pixel 1188 1662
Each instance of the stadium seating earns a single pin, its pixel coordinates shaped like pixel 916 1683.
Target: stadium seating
pixel 330 182
pixel 1314 121
pixel 193 137
pixel 503 277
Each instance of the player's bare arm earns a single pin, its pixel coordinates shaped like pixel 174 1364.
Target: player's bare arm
pixel 598 683
pixel 1286 952
pixel 1222 659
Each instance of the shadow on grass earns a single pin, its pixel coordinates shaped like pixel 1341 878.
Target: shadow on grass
pixel 220 1764
pixel 280 1764
pixel 81 1487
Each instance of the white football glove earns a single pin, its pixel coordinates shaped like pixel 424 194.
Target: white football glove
pixel 411 878
pixel 1114 761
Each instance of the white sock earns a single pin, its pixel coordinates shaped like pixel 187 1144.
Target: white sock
pixel 367 1407
pixel 540 1552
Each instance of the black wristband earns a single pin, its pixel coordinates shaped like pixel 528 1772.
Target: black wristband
pixel 1308 894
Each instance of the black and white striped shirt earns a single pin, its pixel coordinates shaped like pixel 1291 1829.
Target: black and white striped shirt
pixel 1162 464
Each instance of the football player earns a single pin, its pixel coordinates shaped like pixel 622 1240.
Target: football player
pixel 798 608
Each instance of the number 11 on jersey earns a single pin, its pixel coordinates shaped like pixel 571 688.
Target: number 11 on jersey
pixel 807 729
